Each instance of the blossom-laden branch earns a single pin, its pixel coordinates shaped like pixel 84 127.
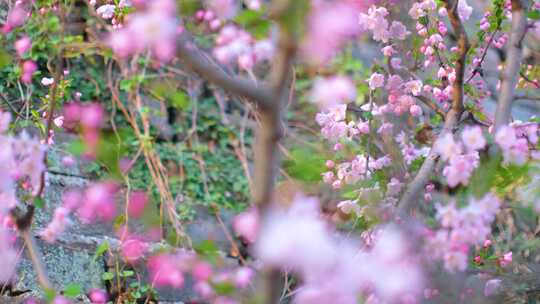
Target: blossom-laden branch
pixel 407 201
pixel 513 63
pixel 270 99
pixel 195 59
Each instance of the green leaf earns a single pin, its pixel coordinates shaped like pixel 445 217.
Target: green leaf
pixel 5 59
pixel 305 165
pixel 107 276
pixel 38 202
pixel 179 100
pixel 127 273
pixel 534 15
pixel 101 249
pixel 72 290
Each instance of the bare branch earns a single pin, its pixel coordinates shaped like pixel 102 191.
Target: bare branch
pixel 414 188
pixel 428 102
pixel 23 222
pixel 194 58
pixel 512 64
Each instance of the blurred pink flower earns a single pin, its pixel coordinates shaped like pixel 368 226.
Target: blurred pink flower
pixel 28 68
pixel 98 296
pixel 22 45
pixel 137 202
pixel 98 202
pixel 246 225
pixel 165 271
pixel 473 139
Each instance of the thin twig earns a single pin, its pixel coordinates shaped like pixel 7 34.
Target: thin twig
pixel 408 200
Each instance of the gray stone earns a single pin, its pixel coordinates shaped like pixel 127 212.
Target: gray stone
pixel 65 265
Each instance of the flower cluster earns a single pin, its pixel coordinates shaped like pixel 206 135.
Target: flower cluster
pixel 170 269
pixel 330 26
pixel 462 228
pixel 21 161
pixel 333 269
pixel 89 117
pixel 154 29
pixel 514 141
pixel 234 44
pixel 461 162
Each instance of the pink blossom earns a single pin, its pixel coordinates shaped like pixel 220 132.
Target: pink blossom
pixel 473 139
pixel 106 11
pixel 133 249
pixel 246 225
pixel 330 25
pixel 455 261
pixel 28 68
pixel 5 119
pixel 388 51
pixel 331 91
pixel 447 147
pixel 225 9
pixel 243 276
pixel 376 80
pixel 8 256
pixel 506 259
pixel 61 300
pixel 166 270
pixel 137 203
pixel 202 271
pixel 460 169
pixel 22 45
pixel 98 202
pixel 98 296
pixel 413 87
pixel 57 226
pixel 416 110
pixel 505 137
pixel 16 17
pixel 464 10
pixel 349 206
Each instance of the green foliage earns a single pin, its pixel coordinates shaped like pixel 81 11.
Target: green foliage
pixel 305 165
pixel 72 290
pixel 254 22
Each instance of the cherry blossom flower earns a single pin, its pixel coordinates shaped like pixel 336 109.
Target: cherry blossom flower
pixel 106 11
pixel 28 69
pixel 166 270
pixel 98 202
pixel 246 225
pixel 23 45
pixel 331 91
pixel 464 10
pixel 376 80
pixel 473 139
pixel 47 81
pixel 447 147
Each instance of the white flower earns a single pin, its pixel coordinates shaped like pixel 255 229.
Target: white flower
pixel 473 138
pixel 446 147
pixel 47 81
pixel 376 81
pixel 106 11
pixel 464 10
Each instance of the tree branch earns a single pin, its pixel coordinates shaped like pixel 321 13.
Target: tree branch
pixel 194 58
pixel 414 188
pixel 512 64
pixel 431 105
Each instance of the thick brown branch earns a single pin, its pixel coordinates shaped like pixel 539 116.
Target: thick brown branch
pixel 512 65
pixel 194 58
pixel 414 188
